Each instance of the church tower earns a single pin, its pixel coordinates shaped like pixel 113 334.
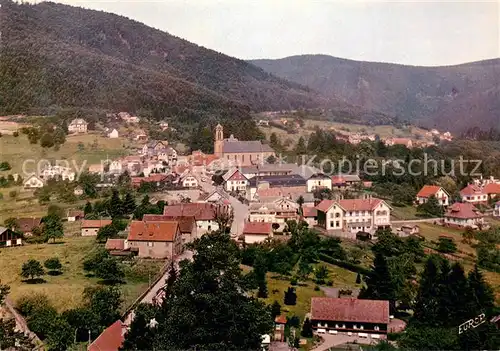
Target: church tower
pixel 219 140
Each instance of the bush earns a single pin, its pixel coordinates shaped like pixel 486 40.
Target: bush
pixel 15 134
pixel 12 193
pixel 316 288
pixel 294 281
pixel 28 304
pixel 329 283
pixel 347 265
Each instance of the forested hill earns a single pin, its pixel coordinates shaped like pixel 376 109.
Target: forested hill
pixel 59 55
pixel 451 97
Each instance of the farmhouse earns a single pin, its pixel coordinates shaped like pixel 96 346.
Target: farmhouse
pixel 204 214
pixel 256 232
pixel 463 215
pixel 474 194
pixel 242 153
pixel 234 180
pixel 27 225
pixel 353 215
pixel 187 225
pixel 433 190
pixel 78 125
pixel 350 316
pixel 113 134
pixel 160 239
pixel 278 212
pixel 33 182
pixel 310 215
pixel 319 181
pixel 75 215
pixel 91 227
pixel 188 180
pixel 8 237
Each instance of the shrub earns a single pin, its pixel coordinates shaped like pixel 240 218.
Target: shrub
pixel 12 193
pixel 27 304
pixel 294 281
pixel 15 134
pixel 316 288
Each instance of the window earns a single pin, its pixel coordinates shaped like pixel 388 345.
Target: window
pixel 355 326
pixel 331 215
pixel 337 215
pixel 337 223
pixel 151 244
pixel 377 327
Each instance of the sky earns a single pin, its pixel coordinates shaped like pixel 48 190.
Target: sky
pixel 426 33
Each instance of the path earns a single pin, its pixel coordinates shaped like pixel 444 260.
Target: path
pixel 424 220
pixel 22 326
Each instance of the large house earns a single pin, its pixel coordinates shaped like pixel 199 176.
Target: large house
pixel 256 232
pixel 235 181
pixel 241 153
pixel 279 212
pixel 187 225
pixel 319 181
pixel 90 227
pixel 204 213
pixel 28 225
pixel 78 125
pixel 362 318
pixel 474 194
pixel 8 237
pixel 463 215
pixel 162 239
pixel 345 181
pixel 353 215
pixel 433 190
pixel 278 181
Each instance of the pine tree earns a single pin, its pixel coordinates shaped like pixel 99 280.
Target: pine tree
pixel 260 270
pixel 172 277
pixel 307 331
pixel 482 294
pixel 87 209
pixel 140 336
pixel 115 205
pixel 358 279
pixel 145 200
pixel 458 296
pixel 290 297
pixel 427 301
pixel 275 309
pixel 129 205
pixel 379 283
pixel 300 148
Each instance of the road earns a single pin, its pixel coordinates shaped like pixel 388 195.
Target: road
pixel 240 210
pixel 425 220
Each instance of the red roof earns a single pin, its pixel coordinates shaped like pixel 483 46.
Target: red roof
pixel 258 228
pixel 281 191
pixel 26 225
pixel 428 190
pixel 153 231
pixel 350 310
pixel 203 159
pixel 280 319
pixel 309 211
pixel 237 176
pixel 95 223
pixel 115 244
pixel 472 189
pixel 338 180
pixel 462 210
pixel 492 188
pixel 75 213
pixel 350 204
pixel 200 211
pixel 185 223
pixel 110 339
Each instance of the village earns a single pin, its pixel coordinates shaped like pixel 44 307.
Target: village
pixel 238 190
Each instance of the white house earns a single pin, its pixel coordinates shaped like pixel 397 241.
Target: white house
pixel 234 180
pixel 319 181
pixel 33 182
pixel 463 215
pixel 113 134
pixel 78 125
pixel 64 173
pixel 205 214
pixel 116 166
pixel 474 194
pixel 188 180
pixel 433 190
pixel 257 232
pixel 278 211
pixel 353 215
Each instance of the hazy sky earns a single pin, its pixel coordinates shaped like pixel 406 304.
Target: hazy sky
pixel 410 32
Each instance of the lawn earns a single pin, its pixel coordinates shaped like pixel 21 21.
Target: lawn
pixel 65 291
pixel 431 232
pixel 402 213
pixel 95 148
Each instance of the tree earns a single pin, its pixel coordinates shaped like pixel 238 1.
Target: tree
pixel 260 270
pixel 290 297
pixel 5 166
pixel 10 338
pixel 105 302
pixel 307 331
pixel 275 309
pixel 11 223
pixel 53 227
pixel 115 205
pixel 300 148
pixel 32 269
pixel 129 205
pixel 300 202
pixel 53 265
pixel 431 207
pixel 358 279
pixel 379 283
pixel 172 277
pixel 446 245
pixel 321 274
pixel 107 232
pixel 46 141
pixel 141 334
pixel 482 294
pixel 87 209
pixel 60 335
pixel 304 269
pixel 209 299
pixel 110 270
pixel 468 235
pixel 427 301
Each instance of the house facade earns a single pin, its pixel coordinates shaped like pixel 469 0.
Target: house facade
pixel 113 134
pixel 162 239
pixel 75 215
pixel 353 215
pixel 474 194
pixel 59 172
pixel 433 190
pixel 28 225
pixel 362 318
pixel 204 213
pixel 235 181
pixel 319 181
pixel 278 211
pixel 91 227
pixel 33 182
pixel 463 215
pixel 8 238
pixel 187 225
pixel 310 215
pixel 78 125
pixel 189 181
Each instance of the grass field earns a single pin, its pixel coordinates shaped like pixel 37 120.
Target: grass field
pixel 65 291
pixel 402 213
pixel 95 148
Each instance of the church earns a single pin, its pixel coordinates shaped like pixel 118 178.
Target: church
pixel 241 153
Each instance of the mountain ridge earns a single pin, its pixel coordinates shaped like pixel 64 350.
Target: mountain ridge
pixel 448 97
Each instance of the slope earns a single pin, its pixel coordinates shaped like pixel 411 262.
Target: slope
pixel 447 97
pixel 54 54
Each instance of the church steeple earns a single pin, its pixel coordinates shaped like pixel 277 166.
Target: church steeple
pixel 219 140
